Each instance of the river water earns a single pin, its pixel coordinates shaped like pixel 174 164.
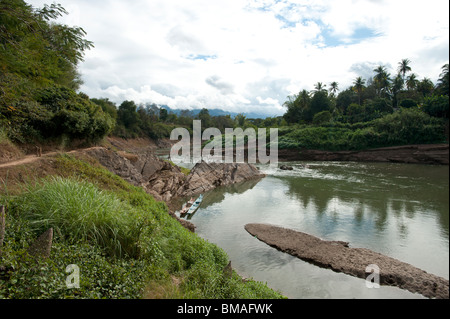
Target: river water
pixel 395 209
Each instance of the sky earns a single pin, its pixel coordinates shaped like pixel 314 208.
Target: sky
pixel 249 55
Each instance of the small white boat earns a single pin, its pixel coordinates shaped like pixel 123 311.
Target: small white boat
pixel 186 206
pixel 195 205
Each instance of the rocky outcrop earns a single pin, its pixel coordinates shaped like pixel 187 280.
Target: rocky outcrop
pixel 165 181
pixel 207 176
pixel 437 154
pixel 339 257
pixel 116 164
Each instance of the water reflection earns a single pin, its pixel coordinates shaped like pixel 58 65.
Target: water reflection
pixel 373 192
pixel 398 210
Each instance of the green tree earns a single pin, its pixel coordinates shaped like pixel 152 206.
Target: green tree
pixel 425 87
pixel 163 114
pixel 334 87
pixel 127 116
pixel 382 80
pixel 403 68
pixel 359 86
pixel 443 81
pixel 319 86
pixel 411 82
pixel 319 103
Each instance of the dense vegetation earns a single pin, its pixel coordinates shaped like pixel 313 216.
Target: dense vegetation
pixel 39 78
pixel 381 111
pixel 124 242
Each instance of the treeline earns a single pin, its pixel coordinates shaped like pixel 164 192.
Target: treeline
pixel 39 78
pixel 369 99
pixel 377 112
pixel 149 120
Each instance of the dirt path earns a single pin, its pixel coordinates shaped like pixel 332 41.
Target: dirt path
pixel 26 160
pixel 339 257
pixel 33 158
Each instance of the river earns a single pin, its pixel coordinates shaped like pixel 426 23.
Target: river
pixel 398 210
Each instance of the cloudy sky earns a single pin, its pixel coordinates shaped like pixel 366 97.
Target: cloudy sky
pixel 249 55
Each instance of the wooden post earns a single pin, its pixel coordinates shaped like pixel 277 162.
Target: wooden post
pixel 2 226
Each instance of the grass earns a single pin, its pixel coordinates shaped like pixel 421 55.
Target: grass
pixel 125 243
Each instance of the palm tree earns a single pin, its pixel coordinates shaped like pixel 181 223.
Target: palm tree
pixel 403 68
pixel 397 86
pixel 411 82
pixel 359 86
pixel 334 87
pixel 382 79
pixel 319 86
pixel 443 81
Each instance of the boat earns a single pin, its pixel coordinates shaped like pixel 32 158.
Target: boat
pixel 195 205
pixel 186 206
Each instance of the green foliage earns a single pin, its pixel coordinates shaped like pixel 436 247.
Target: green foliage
pixel 78 211
pixel 39 59
pixel 436 105
pixel 407 126
pixel 322 117
pixel 154 247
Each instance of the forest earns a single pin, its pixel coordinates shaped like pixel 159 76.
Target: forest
pixel 40 98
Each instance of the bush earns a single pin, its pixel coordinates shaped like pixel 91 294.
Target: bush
pixel 436 105
pixel 322 118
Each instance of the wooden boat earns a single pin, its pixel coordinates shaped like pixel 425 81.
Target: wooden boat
pixel 186 206
pixel 195 205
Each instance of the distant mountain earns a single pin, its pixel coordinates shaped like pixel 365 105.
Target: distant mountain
pixel 217 112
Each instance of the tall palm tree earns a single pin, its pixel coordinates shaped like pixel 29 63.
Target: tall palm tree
pixel 382 79
pixel 403 67
pixel 359 86
pixel 334 87
pixel 397 86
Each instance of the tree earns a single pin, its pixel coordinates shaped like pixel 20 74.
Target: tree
pixel 319 86
pixel 443 81
pixel 397 86
pixel 359 86
pixel 319 103
pixel 403 68
pixel 334 87
pixel 411 82
pixel 205 118
pixel 163 114
pixel 127 116
pixel 382 80
pixel 425 87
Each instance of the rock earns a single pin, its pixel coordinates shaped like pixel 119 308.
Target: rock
pixel 286 168
pixel 338 256
pixel 116 164
pixel 228 270
pixel 42 246
pixel 207 176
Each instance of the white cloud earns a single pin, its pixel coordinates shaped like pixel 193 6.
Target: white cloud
pixel 249 55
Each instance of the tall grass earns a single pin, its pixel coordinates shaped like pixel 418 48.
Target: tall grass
pixel 79 211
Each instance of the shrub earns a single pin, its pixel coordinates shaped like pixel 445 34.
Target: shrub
pixel 436 105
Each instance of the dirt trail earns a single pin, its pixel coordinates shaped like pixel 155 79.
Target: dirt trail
pixel 33 158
